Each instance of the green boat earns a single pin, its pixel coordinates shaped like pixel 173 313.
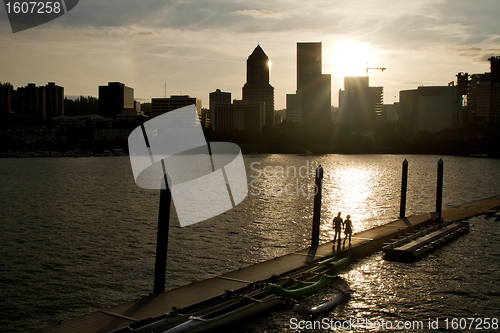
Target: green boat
pixel 312 284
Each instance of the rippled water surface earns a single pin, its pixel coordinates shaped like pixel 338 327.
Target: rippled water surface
pixel 78 235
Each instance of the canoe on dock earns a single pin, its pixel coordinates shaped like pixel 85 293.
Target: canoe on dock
pixel 246 307
pixel 415 246
pixel 178 316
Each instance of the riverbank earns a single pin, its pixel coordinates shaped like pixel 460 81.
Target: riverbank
pixel 459 147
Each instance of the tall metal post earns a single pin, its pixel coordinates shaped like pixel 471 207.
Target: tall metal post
pixel 439 191
pixel 495 95
pixel 404 186
pixel 162 238
pixel 317 206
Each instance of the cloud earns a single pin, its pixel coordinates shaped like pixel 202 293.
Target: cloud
pixel 476 54
pixel 260 13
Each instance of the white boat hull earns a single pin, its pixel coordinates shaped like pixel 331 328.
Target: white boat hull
pixel 341 297
pixel 199 324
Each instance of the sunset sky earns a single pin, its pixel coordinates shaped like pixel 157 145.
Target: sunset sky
pixel 196 47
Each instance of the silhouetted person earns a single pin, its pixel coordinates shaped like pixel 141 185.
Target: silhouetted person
pixel 348 229
pixel 337 225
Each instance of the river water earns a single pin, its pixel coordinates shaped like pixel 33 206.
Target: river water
pixel 79 235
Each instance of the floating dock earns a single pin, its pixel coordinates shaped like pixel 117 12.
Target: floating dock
pixel 415 246
pixel 363 243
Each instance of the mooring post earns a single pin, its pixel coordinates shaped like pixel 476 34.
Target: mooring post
pixel 162 237
pixel 439 192
pixel 404 186
pixel 317 206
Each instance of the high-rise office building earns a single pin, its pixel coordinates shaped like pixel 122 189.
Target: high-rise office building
pixel 43 102
pixel 161 105
pixel 293 108
pixel 316 101
pixel 313 96
pixel 5 98
pixel 239 116
pixel 428 108
pixel 360 105
pixel 257 88
pixel 54 99
pixel 114 99
pixel 390 114
pixel 218 97
pixel 479 99
pixel 309 61
pixel 215 97
pixel 30 101
pixel 495 94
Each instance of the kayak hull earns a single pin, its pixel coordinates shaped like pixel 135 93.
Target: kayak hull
pixel 341 297
pixel 200 324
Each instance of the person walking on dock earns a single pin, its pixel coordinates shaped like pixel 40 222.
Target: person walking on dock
pixel 348 229
pixel 337 225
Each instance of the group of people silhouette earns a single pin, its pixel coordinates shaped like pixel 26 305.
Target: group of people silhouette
pixel 338 225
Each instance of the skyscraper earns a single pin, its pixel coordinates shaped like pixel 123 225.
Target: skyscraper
pixel 314 89
pixel 360 104
pixel 309 62
pixel 30 101
pixel 257 88
pixel 54 100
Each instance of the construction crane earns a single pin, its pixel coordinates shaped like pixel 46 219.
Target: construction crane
pixel 379 68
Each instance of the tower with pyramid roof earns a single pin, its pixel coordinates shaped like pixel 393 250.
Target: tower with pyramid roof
pixel 257 88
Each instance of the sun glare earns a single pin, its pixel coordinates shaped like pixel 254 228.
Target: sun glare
pixel 350 58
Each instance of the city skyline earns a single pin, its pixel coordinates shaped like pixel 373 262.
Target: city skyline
pixel 199 47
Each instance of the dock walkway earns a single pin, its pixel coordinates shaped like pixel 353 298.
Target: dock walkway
pixel 363 243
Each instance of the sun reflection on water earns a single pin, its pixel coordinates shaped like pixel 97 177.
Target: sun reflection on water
pixel 281 189
pixel 362 191
pixel 353 191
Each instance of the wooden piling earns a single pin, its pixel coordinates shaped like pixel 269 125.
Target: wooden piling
pixel 317 206
pixel 404 186
pixel 439 191
pixel 162 238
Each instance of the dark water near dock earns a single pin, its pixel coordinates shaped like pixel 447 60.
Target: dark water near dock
pixel 78 235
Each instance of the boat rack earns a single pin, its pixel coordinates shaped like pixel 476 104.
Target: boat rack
pixel 415 246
